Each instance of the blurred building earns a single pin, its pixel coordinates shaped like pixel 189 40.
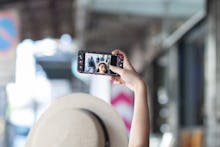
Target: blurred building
pixel 173 44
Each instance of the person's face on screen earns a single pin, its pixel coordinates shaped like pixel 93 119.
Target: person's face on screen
pixel 102 68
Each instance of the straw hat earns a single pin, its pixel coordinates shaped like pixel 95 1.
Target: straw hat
pixel 78 120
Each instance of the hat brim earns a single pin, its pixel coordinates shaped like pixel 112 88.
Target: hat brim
pixel 113 122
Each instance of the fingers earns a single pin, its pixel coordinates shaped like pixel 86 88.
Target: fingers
pixel 112 78
pixel 116 80
pixel 118 51
pixel 116 69
pixel 127 63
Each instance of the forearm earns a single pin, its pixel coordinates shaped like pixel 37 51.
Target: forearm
pixel 139 136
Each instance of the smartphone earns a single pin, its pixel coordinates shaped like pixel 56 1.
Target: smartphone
pixel 98 62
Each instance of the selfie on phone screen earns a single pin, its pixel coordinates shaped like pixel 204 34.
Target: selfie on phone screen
pixel 98 63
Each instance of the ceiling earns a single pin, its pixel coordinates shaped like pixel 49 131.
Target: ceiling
pixel 44 18
pixel 105 24
pixel 52 18
pixel 152 8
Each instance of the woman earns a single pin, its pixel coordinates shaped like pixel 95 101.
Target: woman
pixel 102 67
pixel 139 135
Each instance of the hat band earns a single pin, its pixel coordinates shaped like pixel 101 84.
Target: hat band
pixel 107 142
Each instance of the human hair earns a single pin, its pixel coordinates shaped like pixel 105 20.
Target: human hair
pixel 99 66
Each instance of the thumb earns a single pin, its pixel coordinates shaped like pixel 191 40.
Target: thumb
pixel 116 69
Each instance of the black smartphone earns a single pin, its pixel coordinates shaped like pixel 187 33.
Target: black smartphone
pixel 98 62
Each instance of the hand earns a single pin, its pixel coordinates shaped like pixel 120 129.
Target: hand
pixel 128 75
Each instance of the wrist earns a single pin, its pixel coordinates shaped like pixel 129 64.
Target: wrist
pixel 139 85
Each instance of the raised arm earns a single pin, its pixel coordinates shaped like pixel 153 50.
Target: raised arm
pixel 139 135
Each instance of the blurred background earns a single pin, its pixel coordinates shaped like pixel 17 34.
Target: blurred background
pixel 173 44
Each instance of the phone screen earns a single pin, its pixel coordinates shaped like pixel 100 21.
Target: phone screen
pixel 97 63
